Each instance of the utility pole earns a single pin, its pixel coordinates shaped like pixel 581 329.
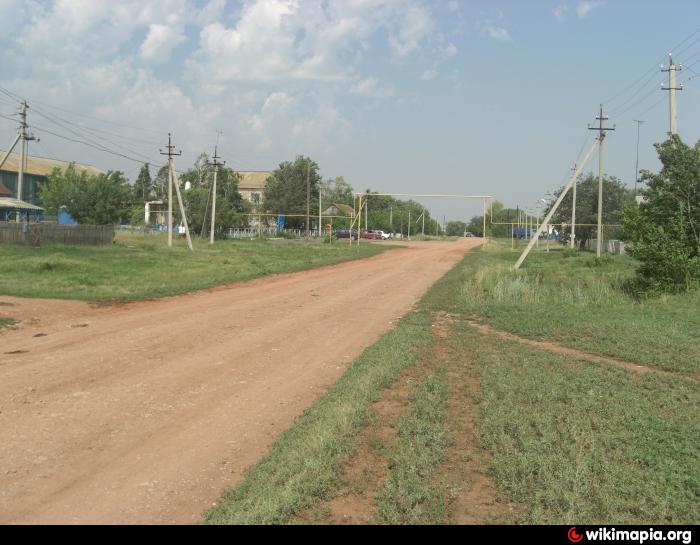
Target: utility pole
pixel 636 164
pixel 172 182
pixel 320 191
pixel 308 197
pixel 672 68
pixel 572 242
pixel 366 207
pixel 601 137
pixel 23 139
pixel 213 200
pixel 409 224
pixel 391 219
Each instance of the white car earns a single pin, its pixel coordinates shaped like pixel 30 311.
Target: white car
pixel 383 234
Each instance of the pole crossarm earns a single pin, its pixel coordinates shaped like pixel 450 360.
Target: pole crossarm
pixel 559 200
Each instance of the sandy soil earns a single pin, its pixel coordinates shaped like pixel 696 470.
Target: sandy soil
pixel 143 412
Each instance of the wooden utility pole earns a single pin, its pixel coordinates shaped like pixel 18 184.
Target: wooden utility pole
pixel 636 163
pixel 23 139
pixel 173 182
pixel 213 199
pixel 572 243
pixel 673 114
pixel 320 191
pixel 308 197
pixel 601 136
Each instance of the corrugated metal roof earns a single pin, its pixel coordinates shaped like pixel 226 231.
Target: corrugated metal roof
pixel 17 204
pixel 253 180
pixel 41 166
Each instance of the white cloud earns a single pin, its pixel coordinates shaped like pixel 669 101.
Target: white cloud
pixel 428 75
pixel 496 32
pixel 560 12
pixel 584 8
pixel 412 28
pixel 262 70
pixel 160 41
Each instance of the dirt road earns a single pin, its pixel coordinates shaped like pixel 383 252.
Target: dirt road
pixel 144 412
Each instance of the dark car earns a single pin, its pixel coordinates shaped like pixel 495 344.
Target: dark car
pixel 345 233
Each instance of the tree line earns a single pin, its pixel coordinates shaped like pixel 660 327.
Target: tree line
pixel 109 198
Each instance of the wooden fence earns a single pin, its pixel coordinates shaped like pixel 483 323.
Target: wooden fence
pixel 37 234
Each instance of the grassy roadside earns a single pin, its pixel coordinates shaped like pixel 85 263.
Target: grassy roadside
pixel 142 267
pixel 576 300
pixel 575 442
pixel 568 441
pixel 408 495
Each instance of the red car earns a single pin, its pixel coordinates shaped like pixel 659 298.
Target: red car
pixel 374 235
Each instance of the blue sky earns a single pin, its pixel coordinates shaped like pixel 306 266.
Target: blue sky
pixel 402 95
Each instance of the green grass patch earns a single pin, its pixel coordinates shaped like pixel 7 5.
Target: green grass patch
pixel 575 299
pixel 142 267
pixel 408 495
pixel 7 322
pixel 584 443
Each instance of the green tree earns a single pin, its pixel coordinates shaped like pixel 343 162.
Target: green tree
pixel 455 228
pixel 160 184
pixel 101 199
pixel 286 190
pixel 664 230
pixel 197 199
pixel 143 187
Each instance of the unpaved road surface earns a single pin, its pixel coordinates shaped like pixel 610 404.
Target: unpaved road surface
pixel 143 412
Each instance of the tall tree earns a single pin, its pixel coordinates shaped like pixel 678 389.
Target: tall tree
pixel 143 187
pixel 286 190
pixel 664 230
pixel 100 199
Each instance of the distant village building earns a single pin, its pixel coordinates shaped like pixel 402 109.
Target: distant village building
pixel 252 185
pixel 36 172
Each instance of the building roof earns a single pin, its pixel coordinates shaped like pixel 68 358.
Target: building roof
pixel 17 204
pixel 41 166
pixel 253 180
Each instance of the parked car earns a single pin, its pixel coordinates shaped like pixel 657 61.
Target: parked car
pixel 383 235
pixel 373 235
pixel 345 233
pixel 468 234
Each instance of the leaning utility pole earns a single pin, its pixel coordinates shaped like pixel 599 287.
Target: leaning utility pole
pixel 556 204
pixel 572 243
pixel 601 136
pixel 672 93
pixel 213 198
pixel 24 138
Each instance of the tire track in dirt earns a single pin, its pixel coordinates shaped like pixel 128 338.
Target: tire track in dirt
pixel 148 410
